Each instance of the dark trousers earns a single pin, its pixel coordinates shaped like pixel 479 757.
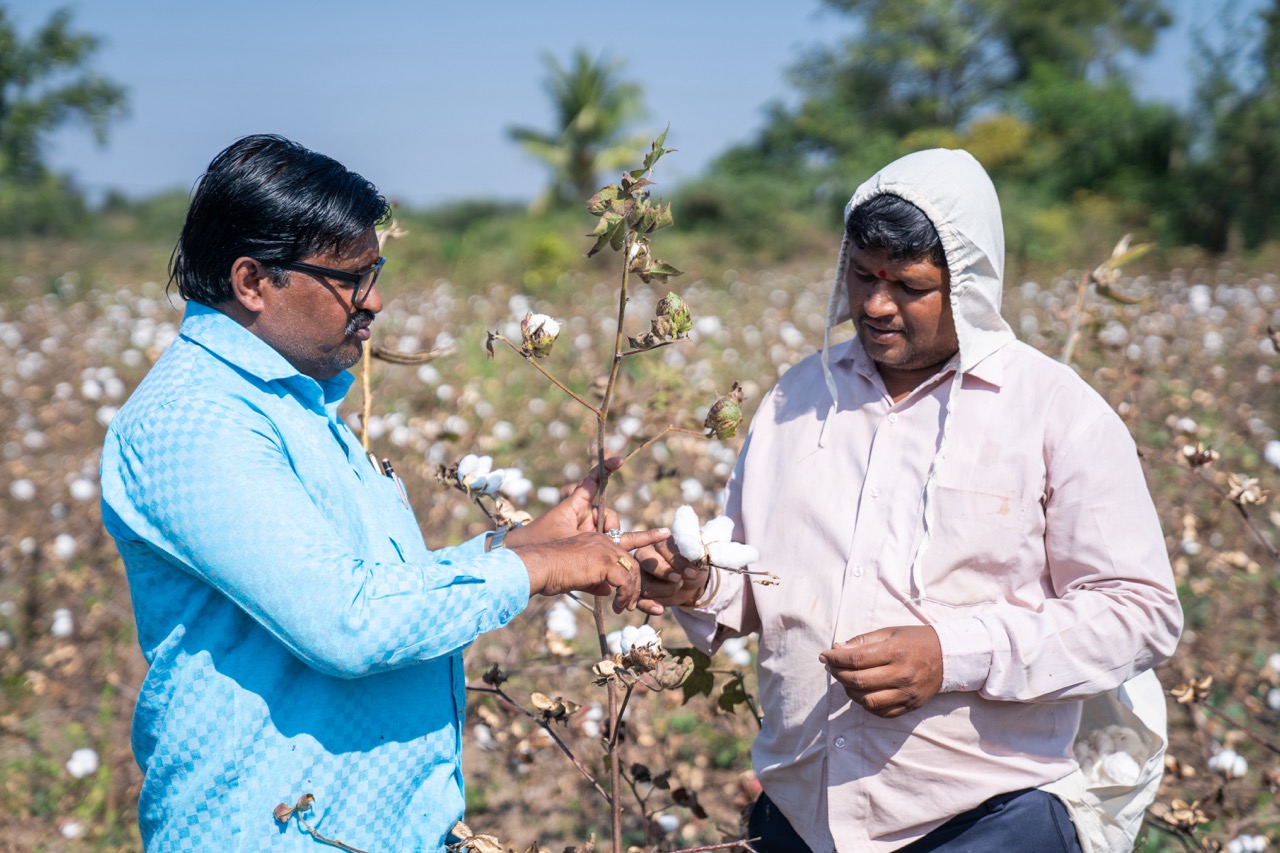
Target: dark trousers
pixel 1022 820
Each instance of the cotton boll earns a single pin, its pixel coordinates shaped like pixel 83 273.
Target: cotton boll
pixel 549 495
pixel 691 489
pixel 1273 698
pixel 63 626
pixel 732 555
pixel 72 829
pixel 83 762
pixel 1118 768
pixel 668 823
pixel 718 529
pixel 1125 740
pixel 637 635
pixel 484 737
pixel 23 490
pixel 613 640
pixel 735 648
pixel 687 534
pixel 83 489
pixel 561 621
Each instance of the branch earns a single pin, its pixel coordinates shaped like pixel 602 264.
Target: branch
pixel 497 691
pixel 543 371
pixel 658 435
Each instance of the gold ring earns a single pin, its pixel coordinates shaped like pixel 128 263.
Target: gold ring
pixel 625 563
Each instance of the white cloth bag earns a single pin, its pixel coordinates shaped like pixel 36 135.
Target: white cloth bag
pixel 1108 817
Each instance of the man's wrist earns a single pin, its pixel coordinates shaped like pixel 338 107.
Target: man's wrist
pixel 498 538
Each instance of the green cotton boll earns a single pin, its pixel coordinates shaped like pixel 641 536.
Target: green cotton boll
pixel 676 311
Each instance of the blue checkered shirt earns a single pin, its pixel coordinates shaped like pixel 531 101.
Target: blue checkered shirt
pixel 302 639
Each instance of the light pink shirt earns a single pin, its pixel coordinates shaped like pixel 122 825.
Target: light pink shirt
pixel 1045 577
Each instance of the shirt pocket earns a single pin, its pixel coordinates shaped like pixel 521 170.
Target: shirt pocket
pixel 977 549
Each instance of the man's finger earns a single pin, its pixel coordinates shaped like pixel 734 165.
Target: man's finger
pixel 585 492
pixel 640 538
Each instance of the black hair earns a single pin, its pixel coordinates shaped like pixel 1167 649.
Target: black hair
pixel 892 223
pixel 268 198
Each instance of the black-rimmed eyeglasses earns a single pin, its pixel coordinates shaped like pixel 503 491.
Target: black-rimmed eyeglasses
pixel 362 282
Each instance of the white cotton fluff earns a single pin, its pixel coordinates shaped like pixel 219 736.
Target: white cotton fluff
pixel 718 529
pixel 1110 756
pixel 613 640
pixel 735 649
pixel 63 626
pixel 516 485
pixel 637 635
pixel 484 737
pixel 1273 698
pixel 732 555
pixel 687 534
pixel 1229 764
pixel 561 621
pixel 72 829
pixel 472 468
pixel 668 823
pixel 82 763
pixel 1248 844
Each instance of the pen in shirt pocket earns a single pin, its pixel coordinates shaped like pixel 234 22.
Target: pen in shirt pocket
pixel 395 478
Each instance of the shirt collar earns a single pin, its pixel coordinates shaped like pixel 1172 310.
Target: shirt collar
pixel 245 351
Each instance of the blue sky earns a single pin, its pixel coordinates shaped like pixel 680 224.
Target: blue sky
pixel 417 96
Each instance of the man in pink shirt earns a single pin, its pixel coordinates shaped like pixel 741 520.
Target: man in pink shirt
pixel 970 561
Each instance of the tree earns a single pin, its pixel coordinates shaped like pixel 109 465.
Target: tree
pixel 45 83
pixel 914 64
pixel 1235 178
pixel 593 107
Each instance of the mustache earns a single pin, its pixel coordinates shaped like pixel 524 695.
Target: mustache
pixel 359 320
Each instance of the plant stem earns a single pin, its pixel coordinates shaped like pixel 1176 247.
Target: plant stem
pixel 554 381
pixel 744 843
pixel 546 727
pixel 1257 738
pixel 1073 331
pixel 318 837
pixel 366 399
pixel 648 441
pixel 613 734
pixel 602 417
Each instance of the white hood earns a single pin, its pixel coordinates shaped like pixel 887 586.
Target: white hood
pixel 953 190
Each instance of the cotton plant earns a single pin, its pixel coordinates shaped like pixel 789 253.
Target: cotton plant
pixel 1228 764
pixel 496 491
pixel 711 545
pixel 627 216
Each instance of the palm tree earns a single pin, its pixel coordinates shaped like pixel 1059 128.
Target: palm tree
pixel 593 108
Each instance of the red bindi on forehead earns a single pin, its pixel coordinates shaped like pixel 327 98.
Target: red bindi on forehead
pixel 884 275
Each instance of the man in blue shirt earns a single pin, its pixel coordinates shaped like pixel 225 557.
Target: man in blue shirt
pixel 301 636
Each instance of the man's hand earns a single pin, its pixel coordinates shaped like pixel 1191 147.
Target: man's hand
pixel 890 671
pixel 588 562
pixel 562 552
pixel 571 516
pixel 667 579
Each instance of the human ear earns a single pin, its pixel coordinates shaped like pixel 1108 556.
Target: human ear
pixel 249 279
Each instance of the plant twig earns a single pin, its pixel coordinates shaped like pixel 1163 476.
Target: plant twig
pixel 651 439
pixel 330 841
pixel 546 727
pixel 366 399
pixel 1260 740
pixel 554 381
pixel 1073 331
pixel 744 843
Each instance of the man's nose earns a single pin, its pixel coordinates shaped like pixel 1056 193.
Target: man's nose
pixel 880 302
pixel 372 302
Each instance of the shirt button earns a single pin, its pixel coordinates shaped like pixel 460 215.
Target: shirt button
pixel 893 417
pixel 839 743
pixel 875 492
pixel 857 571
